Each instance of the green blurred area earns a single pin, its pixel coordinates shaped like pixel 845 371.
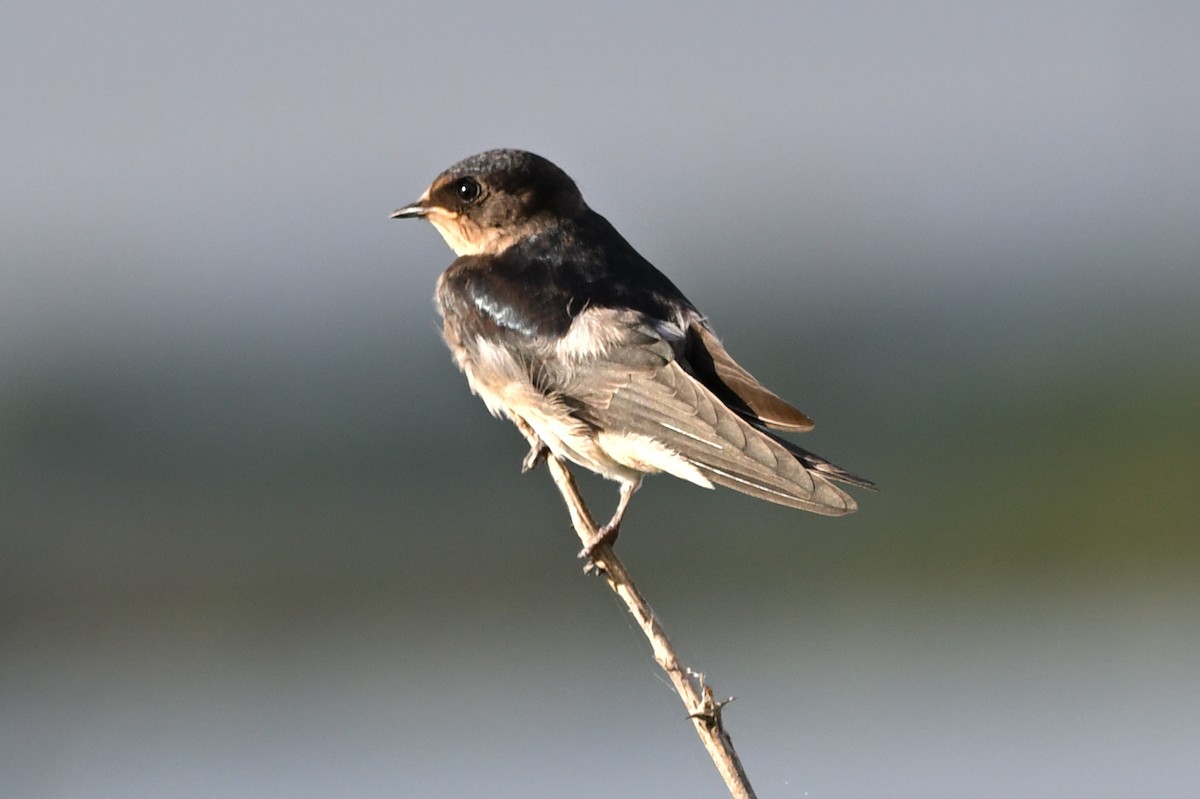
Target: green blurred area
pixel 320 566
pixel 1011 444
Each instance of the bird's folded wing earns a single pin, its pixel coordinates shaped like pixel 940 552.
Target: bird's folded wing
pixel 639 388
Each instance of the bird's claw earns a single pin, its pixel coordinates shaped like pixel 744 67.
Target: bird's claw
pixel 605 536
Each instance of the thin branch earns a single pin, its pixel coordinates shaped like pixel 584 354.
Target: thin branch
pixel 697 696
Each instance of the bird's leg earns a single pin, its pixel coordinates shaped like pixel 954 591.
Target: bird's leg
pixel 608 533
pixel 537 451
pixel 537 448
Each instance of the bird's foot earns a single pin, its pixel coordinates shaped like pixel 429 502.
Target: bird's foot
pixel 605 536
pixel 537 453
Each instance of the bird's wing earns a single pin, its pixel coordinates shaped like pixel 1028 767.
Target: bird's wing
pixel 629 383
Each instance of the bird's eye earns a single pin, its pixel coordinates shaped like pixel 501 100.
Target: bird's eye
pixel 467 189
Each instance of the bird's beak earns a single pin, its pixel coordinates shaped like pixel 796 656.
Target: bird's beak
pixel 417 210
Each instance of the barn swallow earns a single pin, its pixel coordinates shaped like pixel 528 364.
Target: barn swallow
pixel 563 328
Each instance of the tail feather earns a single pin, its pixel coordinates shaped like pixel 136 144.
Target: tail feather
pixel 818 464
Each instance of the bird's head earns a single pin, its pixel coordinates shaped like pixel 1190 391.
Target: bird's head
pixel 484 204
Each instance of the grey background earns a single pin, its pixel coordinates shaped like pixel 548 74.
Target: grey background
pixel 257 540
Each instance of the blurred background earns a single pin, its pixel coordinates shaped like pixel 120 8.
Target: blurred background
pixel 258 540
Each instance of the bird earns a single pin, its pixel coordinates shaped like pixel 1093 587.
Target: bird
pixel 562 327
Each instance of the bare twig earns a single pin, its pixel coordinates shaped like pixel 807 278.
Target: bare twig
pixel 697 696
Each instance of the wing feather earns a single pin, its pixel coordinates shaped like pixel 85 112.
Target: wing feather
pixel 639 387
pixel 673 408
